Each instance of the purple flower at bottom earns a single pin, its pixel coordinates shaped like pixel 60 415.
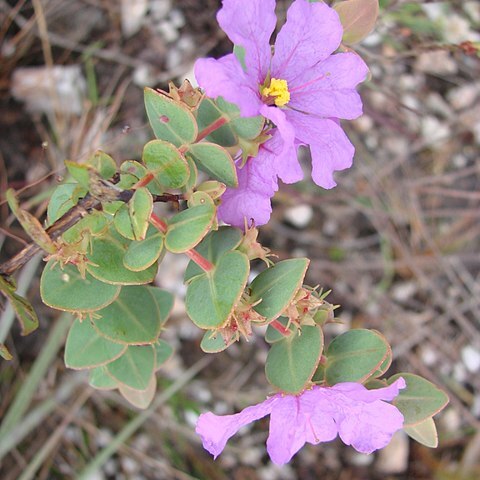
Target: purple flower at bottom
pixel 361 418
pixel 303 87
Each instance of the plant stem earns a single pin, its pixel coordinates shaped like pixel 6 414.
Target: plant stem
pixel 211 128
pixel 280 328
pixel 143 182
pixel 192 254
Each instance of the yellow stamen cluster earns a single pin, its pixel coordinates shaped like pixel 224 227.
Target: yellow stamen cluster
pixel 278 91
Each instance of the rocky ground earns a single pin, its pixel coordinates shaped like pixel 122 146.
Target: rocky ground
pixel 397 241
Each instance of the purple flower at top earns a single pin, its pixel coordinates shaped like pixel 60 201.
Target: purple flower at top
pixel 302 88
pixel 361 417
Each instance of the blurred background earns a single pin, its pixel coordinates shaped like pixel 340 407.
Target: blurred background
pixel 398 241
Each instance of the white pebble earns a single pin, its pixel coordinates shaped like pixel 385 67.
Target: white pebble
pixel 471 358
pixel 299 216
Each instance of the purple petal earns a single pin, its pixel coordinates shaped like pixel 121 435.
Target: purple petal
pixel 286 130
pixel 215 430
pixel 280 160
pixel 250 24
pixel 365 395
pixel 287 429
pixel 251 199
pixel 225 78
pixel 312 32
pixel 328 89
pixel 330 148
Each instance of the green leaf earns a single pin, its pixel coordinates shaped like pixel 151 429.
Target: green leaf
pixel 65 289
pixel 80 172
pixel 135 367
pixel 85 348
pixel 212 296
pixel 106 261
pixel 213 342
pixel 104 164
pixel 143 254
pixel 95 223
pixel 136 316
pixel 167 163
pixel 22 307
pixel 100 378
pixel 420 400
pixel 140 208
pixel 5 353
pixel 247 128
pixel 424 432
pixel 276 286
pixel 212 247
pixel 30 224
pixel 163 353
pixel 170 120
pixel 140 398
pixel 123 222
pixel 354 356
pixel 61 201
pixel 292 361
pixel 358 19
pixel 207 113
pixel 216 161
pixel 186 229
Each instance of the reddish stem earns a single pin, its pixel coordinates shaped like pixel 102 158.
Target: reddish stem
pixel 211 128
pixel 143 182
pixel 158 223
pixel 201 261
pixel 280 328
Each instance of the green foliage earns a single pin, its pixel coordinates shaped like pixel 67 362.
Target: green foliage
pixel 106 261
pixel 275 287
pixel 170 120
pixel 136 316
pixel 292 361
pixel 85 348
pixel 420 400
pixel 355 356
pixel 66 289
pixel 358 18
pixel 186 229
pixel 144 253
pixel 166 163
pixel 424 432
pixel 212 295
pixel 215 161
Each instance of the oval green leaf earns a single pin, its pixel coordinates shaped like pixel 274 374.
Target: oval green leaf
pixel 170 120
pixel 420 400
pixel 135 367
pixel 424 432
pixel 143 254
pixel 65 289
pixel 277 286
pixel 213 342
pixel 214 160
pixel 212 296
pixel 163 352
pixel 166 163
pixel 136 316
pixel 186 229
pixel 354 356
pixel 106 261
pixel 100 379
pixel 85 348
pixel 358 18
pixel 140 398
pixel 292 362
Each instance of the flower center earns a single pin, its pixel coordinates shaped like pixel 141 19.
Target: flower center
pixel 276 93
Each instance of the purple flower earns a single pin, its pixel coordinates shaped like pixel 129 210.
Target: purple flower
pixel 302 88
pixel 257 183
pixel 361 417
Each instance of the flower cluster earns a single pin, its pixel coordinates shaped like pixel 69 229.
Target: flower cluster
pixel 303 88
pixel 361 418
